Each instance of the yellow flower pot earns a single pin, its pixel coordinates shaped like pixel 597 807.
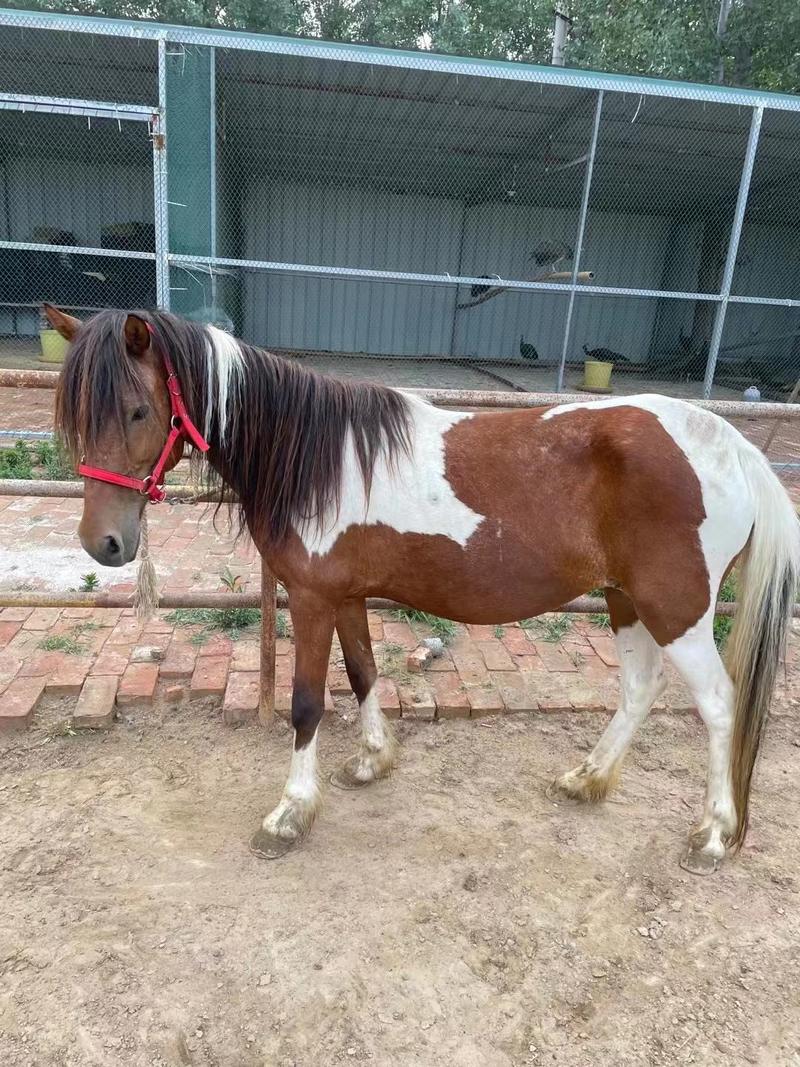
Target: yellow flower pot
pixel 54 346
pixel 597 375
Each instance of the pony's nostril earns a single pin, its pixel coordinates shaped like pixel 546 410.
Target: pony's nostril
pixel 112 546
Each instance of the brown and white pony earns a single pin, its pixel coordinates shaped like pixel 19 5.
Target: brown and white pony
pixel 353 490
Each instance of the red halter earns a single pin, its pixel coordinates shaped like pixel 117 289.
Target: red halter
pixel 181 425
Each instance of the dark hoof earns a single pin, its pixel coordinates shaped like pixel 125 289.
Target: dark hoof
pixel 269 846
pixel 696 862
pixel 346 779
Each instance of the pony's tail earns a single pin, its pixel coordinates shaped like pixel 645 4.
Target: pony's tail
pixel 766 588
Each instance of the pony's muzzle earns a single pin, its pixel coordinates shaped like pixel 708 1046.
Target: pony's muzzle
pixel 112 549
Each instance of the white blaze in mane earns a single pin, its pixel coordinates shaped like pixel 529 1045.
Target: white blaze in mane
pixel 224 372
pixel 412 495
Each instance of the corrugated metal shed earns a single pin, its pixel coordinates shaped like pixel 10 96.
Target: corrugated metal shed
pixel 332 156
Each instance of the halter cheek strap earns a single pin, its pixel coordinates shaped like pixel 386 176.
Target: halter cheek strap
pixel 181 426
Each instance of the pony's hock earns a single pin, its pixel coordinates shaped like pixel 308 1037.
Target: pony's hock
pixel 353 490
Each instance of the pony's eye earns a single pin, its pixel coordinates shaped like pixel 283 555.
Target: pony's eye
pixel 139 414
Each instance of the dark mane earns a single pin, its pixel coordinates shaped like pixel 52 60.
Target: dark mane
pixel 287 426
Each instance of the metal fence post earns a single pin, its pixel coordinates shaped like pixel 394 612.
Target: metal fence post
pixel 212 168
pixel 733 250
pixel 160 193
pixel 266 700
pixel 576 259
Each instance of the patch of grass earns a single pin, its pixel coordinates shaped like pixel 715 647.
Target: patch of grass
pixel 68 643
pixel 499 632
pixel 443 628
pixel 390 649
pixel 601 620
pixel 392 662
pixel 51 456
pixel 61 729
pixel 229 621
pixel 575 658
pixel 15 462
pixel 231 581
pixel 20 460
pixel 549 628
pixel 723 624
pixel 89 582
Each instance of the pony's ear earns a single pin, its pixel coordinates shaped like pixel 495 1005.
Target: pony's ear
pixel 66 325
pixel 137 336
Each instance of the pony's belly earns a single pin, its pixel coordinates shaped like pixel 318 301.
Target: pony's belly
pixel 491 579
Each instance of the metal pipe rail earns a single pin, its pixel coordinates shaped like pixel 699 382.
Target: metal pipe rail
pixel 74 491
pixel 584 605
pixel 483 398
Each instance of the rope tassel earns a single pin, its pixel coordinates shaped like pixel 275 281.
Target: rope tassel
pixel 145 599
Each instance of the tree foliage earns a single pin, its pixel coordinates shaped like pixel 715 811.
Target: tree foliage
pixel 759 48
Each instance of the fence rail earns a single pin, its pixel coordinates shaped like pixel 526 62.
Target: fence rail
pixel 483 398
pixel 185 494
pixel 585 605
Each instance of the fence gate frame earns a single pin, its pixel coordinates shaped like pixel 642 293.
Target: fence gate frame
pixel 116 112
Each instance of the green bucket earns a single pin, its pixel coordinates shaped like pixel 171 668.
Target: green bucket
pixel 54 346
pixel 597 375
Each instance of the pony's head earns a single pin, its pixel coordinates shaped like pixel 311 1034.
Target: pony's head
pixel 277 431
pixel 112 412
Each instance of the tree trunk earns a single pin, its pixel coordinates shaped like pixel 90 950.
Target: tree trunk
pixel 722 28
pixel 743 50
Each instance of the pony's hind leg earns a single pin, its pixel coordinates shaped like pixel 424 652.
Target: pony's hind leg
pixel 294 814
pixel 642 681
pixel 378 750
pixel 698 662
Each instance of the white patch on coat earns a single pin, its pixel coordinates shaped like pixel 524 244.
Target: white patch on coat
pixel 713 449
pixel 224 369
pixel 410 495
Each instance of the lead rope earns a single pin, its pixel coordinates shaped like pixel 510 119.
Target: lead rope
pixel 145 598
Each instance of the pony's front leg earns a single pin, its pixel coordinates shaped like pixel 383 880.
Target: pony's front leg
pixel 290 821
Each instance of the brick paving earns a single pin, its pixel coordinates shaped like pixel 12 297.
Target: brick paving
pixel 476 676
pixel 484 671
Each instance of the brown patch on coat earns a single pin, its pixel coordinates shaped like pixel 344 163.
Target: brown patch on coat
pixel 590 498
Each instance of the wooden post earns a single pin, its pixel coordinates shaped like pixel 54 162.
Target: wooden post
pixel 266 703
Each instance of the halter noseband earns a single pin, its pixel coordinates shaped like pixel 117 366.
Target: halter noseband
pixel 181 425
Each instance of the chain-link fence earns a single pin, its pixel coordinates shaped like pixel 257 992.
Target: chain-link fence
pixel 420 219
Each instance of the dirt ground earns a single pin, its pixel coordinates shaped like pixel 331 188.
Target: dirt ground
pixel 451 915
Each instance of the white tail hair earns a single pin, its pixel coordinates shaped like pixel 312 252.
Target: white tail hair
pixel 766 590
